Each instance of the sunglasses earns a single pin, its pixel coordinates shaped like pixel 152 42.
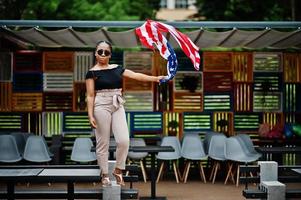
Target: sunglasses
pixel 103 52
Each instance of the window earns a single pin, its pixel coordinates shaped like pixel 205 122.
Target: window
pixel 181 4
pixel 163 4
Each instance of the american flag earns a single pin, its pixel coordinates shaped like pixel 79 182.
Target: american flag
pixel 150 34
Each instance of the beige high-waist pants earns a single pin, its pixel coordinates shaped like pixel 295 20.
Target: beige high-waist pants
pixel 110 117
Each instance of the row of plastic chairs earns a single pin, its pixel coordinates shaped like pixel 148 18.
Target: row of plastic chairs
pixel 14 148
pixel 192 150
pixel 216 146
pixel 236 149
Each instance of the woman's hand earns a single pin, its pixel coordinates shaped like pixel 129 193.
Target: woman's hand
pixel 161 78
pixel 93 122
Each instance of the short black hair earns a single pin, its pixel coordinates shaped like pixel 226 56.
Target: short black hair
pixel 104 41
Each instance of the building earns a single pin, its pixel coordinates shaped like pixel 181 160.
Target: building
pixel 177 10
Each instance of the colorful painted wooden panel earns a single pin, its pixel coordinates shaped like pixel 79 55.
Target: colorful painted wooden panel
pixel 10 122
pixel 267 82
pixel 269 101
pixel 243 97
pixel 217 61
pixel 292 118
pixel 172 124
pixel 298 98
pixel 246 122
pixel 57 101
pixel 33 123
pixel 141 61
pixel 242 67
pixel 58 61
pixel 62 82
pixel 76 123
pixel 187 101
pixel 273 118
pixel 27 102
pixel 267 62
pixel 218 81
pixel 214 102
pixel 28 82
pixel 146 124
pixel 290 97
pixel 28 61
pixel 289 118
pixel 196 122
pixel 52 123
pixel 223 122
pixel 5 96
pixel 291 67
pixel 188 81
pixel 159 64
pixel 134 85
pixel 117 57
pixel 163 96
pixel 5 66
pixel 79 97
pixel 184 62
pixel 138 101
pixel 83 61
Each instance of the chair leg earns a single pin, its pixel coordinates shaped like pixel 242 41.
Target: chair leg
pixel 237 176
pixel 202 172
pixel 143 171
pixel 217 166
pixel 184 172
pixel 228 174
pixel 160 172
pixel 187 171
pixel 129 163
pixel 175 170
pixel 232 177
pixel 212 171
pixel 179 174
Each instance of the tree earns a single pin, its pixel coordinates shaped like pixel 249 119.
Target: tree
pixel 12 9
pixel 79 9
pixel 245 10
pixel 144 9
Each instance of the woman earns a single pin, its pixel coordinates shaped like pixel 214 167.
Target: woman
pixel 105 109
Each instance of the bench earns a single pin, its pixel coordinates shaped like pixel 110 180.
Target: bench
pixel 68 174
pixel 64 194
pixel 285 175
pixel 258 194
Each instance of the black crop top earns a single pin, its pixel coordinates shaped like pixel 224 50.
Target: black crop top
pixel 107 78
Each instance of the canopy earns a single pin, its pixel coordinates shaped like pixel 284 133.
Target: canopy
pixel 275 35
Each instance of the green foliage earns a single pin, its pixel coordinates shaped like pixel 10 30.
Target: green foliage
pixel 79 9
pixel 246 10
pixel 144 9
pixel 12 9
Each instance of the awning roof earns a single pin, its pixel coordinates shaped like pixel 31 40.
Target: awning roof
pixel 265 35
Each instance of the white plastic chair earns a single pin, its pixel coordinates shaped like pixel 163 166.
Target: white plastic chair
pixel 193 149
pixel 81 150
pixel 248 145
pixel 137 155
pixel 207 139
pixel 36 150
pixel 234 151
pixel 170 156
pixel 9 152
pixel 216 152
